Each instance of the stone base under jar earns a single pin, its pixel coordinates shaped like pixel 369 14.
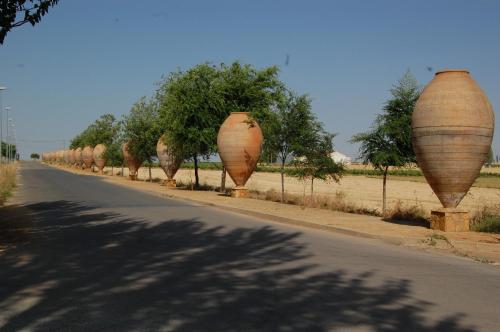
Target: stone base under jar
pixel 239 192
pixel 450 220
pixel 170 183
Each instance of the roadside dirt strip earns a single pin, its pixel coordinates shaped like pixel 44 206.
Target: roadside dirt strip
pixel 484 247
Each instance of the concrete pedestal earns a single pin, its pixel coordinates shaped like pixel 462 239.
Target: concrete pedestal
pixel 170 183
pixel 239 192
pixel 450 220
pixel 132 177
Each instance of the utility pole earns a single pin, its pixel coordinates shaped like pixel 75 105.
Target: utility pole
pixel 7 138
pixel 1 123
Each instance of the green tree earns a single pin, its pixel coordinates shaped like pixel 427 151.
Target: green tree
pixel 289 128
pixel 9 150
pixel 76 142
pixel 142 129
pixel 104 130
pixel 113 153
pixel 35 156
pixel 191 110
pixel 243 88
pixel 489 158
pixel 15 13
pixel 316 162
pixel 388 143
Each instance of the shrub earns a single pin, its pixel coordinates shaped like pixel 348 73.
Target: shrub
pixel 7 181
pixel 486 219
pixel 412 214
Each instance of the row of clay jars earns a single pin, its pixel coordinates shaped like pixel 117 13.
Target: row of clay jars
pixel 85 157
pixel 452 130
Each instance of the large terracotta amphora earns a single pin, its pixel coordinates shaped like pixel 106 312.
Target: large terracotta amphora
pixel 71 158
pixel 60 156
pixel 78 157
pixel 170 160
pixel 99 159
pixel 240 144
pixel 452 130
pixel 88 156
pixel 133 163
pixel 66 157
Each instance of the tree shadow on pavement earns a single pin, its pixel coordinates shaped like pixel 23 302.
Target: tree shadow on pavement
pixel 86 270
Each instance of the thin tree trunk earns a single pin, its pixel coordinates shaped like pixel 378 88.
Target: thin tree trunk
pixel 282 181
pixel 150 178
pixel 223 180
pixel 112 169
pixel 123 174
pixel 312 190
pixel 304 194
pixel 384 192
pixel 196 177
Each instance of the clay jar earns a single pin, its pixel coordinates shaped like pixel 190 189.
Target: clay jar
pixel 88 156
pixel 78 157
pixel 240 144
pixel 452 130
pixel 99 160
pixel 71 157
pixel 133 163
pixel 60 156
pixel 170 161
pixel 66 156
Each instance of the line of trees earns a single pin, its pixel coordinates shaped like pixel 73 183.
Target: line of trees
pixel 188 108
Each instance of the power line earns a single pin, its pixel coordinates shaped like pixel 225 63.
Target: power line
pixel 42 140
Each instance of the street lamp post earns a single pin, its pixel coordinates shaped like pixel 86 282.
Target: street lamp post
pixel 1 122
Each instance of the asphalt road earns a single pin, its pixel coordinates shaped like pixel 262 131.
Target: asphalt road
pixel 101 257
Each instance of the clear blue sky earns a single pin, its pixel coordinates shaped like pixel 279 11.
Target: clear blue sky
pixel 92 57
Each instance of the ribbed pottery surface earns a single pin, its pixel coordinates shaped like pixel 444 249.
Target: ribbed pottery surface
pixel 240 144
pixel 452 130
pixel 132 162
pixel 87 156
pixel 66 156
pixel 170 161
pixel 78 156
pixel 71 156
pixel 99 160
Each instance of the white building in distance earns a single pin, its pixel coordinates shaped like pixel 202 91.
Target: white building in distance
pixel 340 158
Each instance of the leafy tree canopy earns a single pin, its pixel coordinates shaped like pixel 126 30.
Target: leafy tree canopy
pixel 103 131
pixel 316 162
pixel 388 143
pixel 14 13
pixel 191 109
pixel 142 129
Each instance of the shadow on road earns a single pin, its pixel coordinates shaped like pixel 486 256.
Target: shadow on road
pixel 90 270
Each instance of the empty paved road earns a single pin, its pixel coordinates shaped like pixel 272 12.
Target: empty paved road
pixel 101 257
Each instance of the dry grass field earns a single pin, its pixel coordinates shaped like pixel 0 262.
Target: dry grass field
pixel 361 191
pixel 7 181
